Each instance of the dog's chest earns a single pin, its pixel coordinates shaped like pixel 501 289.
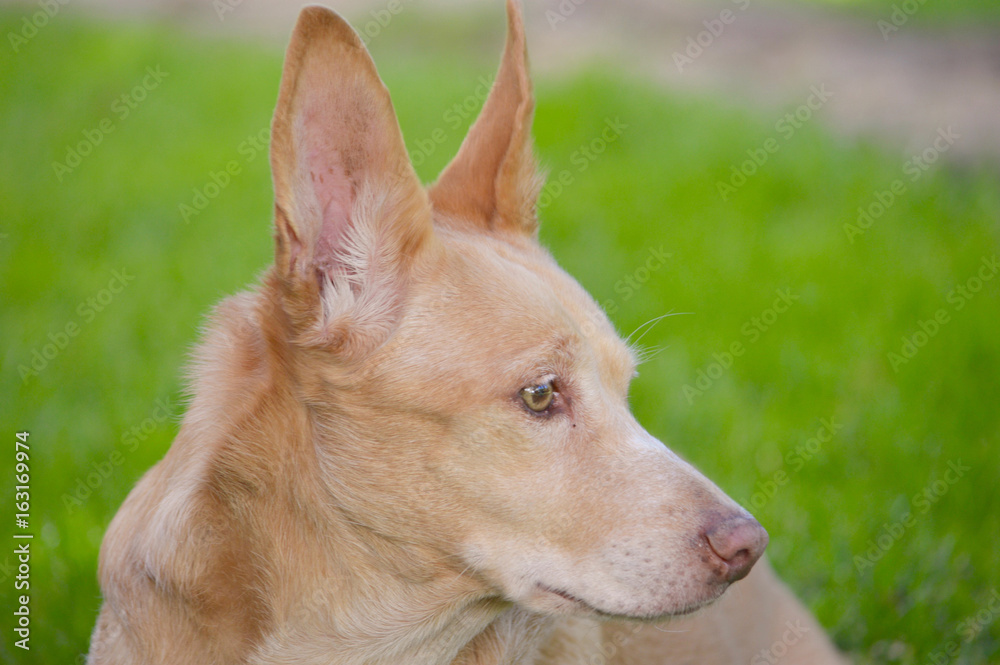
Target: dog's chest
pixel 394 638
pixel 514 638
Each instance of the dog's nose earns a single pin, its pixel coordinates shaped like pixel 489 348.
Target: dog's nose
pixel 739 542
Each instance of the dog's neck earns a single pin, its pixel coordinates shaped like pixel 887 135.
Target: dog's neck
pixel 337 591
pixel 410 627
pixel 367 599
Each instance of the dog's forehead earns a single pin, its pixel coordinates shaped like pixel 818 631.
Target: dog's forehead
pixel 511 301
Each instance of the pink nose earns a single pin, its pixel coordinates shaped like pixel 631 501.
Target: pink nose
pixel 739 542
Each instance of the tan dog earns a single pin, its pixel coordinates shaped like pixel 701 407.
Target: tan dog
pixel 412 445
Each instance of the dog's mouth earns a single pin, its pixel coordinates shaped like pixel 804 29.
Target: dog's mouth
pixel 565 602
pixel 570 598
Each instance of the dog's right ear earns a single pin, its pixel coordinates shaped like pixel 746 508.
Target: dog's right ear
pixel 350 213
pixel 493 182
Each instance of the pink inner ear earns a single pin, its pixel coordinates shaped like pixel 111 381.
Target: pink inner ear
pixel 335 194
pixel 322 137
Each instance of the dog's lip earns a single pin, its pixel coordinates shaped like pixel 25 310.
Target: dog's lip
pixel 575 600
pixel 567 595
pixel 579 602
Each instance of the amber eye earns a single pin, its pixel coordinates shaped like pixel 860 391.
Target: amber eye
pixel 538 398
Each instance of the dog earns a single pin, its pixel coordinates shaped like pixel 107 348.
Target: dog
pixel 411 443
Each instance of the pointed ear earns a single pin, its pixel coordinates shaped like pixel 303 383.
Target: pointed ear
pixel 493 182
pixel 350 213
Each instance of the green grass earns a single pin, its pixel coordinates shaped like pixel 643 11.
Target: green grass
pixel 923 12
pixel 654 186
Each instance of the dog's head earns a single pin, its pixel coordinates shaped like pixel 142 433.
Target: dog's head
pixel 466 394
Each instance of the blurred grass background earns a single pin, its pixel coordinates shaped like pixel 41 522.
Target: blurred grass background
pixel 922 11
pixel 653 187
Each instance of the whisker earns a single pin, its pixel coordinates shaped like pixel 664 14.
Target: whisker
pixel 644 355
pixel 649 325
pixel 664 630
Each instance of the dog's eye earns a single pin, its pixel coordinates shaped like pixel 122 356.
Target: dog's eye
pixel 538 398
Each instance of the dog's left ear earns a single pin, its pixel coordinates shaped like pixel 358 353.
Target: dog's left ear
pixel 350 213
pixel 493 182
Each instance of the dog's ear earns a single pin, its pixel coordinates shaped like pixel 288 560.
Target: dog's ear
pixel 350 213
pixel 493 182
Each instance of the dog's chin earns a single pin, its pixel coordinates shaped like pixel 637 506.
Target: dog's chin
pixel 554 601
